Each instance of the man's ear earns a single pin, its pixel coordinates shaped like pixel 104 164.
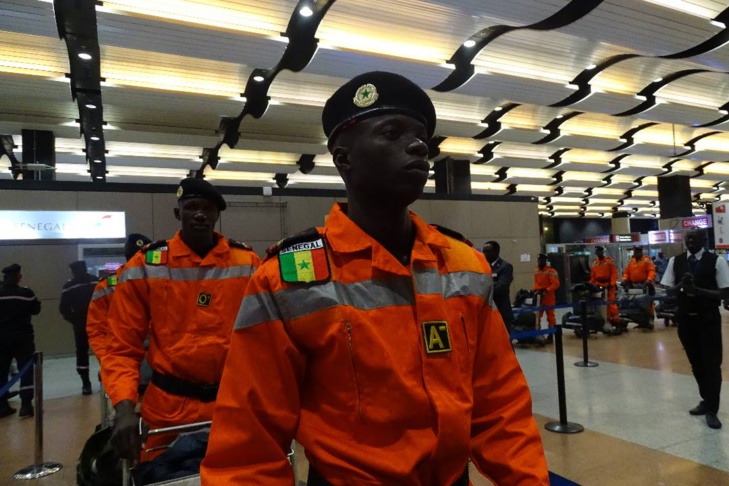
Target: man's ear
pixel 341 158
pixel 177 213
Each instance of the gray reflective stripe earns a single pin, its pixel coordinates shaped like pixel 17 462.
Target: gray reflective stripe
pixel 78 285
pixel 456 284
pixel 298 302
pixel 102 293
pixel 186 274
pixel 17 297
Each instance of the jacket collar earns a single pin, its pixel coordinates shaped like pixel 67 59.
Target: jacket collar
pixel 179 249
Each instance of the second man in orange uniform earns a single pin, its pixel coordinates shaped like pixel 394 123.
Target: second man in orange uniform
pixel 546 282
pixel 604 273
pixel 642 271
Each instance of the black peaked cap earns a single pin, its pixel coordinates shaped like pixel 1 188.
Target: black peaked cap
pixel 194 187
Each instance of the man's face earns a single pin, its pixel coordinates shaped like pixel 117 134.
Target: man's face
pixel 694 242
pixel 384 158
pixel 600 253
pixel 490 253
pixel 638 253
pixel 541 261
pixel 197 216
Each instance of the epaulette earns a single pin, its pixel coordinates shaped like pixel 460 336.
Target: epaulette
pixel 239 244
pixel 452 233
pixel 154 245
pixel 302 258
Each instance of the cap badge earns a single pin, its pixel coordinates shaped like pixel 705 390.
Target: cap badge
pixel 139 243
pixel 366 95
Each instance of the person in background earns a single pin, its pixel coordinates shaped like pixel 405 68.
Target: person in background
pixel 503 275
pixel 373 341
pixel 75 299
pixel 661 263
pixel 17 305
pixel 604 274
pixel 546 283
pixel 183 294
pixel 640 270
pixel 97 327
pixel 700 280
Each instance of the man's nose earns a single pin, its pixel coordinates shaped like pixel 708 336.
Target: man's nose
pixel 418 147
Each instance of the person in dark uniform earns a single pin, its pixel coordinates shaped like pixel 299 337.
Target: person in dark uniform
pixel 503 274
pixel 75 299
pixel 700 280
pixel 17 304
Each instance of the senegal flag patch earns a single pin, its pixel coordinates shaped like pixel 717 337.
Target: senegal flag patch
pixel 304 262
pixel 157 256
pixel 111 280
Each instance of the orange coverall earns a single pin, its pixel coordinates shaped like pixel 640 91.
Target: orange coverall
pixel 188 339
pixel 547 279
pixel 96 319
pixel 604 273
pixel 341 365
pixel 640 272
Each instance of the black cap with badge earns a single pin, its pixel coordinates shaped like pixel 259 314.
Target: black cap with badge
pixel 14 268
pixel 194 187
pixel 135 241
pixel 373 94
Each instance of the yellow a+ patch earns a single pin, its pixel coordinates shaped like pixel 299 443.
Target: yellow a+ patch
pixel 436 337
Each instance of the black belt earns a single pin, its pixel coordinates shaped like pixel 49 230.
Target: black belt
pixel 315 479
pixel 184 388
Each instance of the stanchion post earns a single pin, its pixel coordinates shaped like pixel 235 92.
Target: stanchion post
pixel 563 426
pixel 585 363
pixel 39 469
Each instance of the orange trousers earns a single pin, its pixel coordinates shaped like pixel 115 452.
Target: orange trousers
pixel 550 298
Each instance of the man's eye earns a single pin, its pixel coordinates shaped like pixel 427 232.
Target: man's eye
pixel 391 133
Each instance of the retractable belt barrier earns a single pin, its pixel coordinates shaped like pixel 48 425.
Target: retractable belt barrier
pixel 16 378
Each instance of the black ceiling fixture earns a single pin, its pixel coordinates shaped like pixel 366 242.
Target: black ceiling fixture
pixel 467 52
pixel 615 163
pixel 648 93
pixel 691 144
pixel 668 168
pixel 487 152
pixel 492 121
pixel 76 23
pixel 7 145
pixel 300 50
pixel 627 137
pixel 556 158
pixel 281 180
pixel 306 163
pixel 553 128
pixel 434 146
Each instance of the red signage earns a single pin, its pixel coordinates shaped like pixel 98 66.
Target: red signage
pixel 630 238
pixel 696 222
pixel 597 239
pixel 665 236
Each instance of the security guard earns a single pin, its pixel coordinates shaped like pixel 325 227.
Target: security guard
pixel 700 280
pixel 503 275
pixel 75 299
pixel 96 321
pixel 17 305
pixel 546 282
pixel 641 270
pixel 604 273
pixel 184 293
pixel 373 341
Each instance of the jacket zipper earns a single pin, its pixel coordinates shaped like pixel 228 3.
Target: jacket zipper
pixel 348 326
pixel 465 335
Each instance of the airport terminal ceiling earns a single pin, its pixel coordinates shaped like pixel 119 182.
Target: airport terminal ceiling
pixel 582 104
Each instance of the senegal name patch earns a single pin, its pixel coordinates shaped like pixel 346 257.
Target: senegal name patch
pixel 156 257
pixel 436 337
pixel 304 262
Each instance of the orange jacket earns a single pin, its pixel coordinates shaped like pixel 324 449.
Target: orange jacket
pixel 96 319
pixel 604 272
pixel 640 271
pixel 187 304
pixel 546 279
pixel 341 365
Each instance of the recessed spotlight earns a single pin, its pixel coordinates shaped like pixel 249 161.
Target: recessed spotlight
pixel 84 56
pixel 306 12
pixel 94 138
pixel 258 79
pixel 498 108
pixel 98 161
pixel 591 66
pixel 724 112
pixel 658 80
pixel 559 117
pixel 571 86
pixel 469 43
pixel 91 106
pixel 99 177
pixel 721 25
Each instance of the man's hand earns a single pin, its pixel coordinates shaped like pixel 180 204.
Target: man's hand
pixel 125 439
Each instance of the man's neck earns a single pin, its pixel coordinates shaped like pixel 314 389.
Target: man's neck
pixel 391 227
pixel 200 244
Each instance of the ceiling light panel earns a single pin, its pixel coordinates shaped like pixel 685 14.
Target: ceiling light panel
pixel 252 17
pixel 32 55
pixel 707 9
pixel 257 157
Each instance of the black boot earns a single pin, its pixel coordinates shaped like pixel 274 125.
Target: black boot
pixel 86 383
pixel 26 409
pixel 5 409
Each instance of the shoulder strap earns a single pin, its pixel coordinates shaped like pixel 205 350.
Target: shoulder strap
pixel 452 233
pixel 154 245
pixel 239 244
pixel 309 234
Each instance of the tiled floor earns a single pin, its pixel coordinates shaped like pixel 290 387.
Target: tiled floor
pixel 633 407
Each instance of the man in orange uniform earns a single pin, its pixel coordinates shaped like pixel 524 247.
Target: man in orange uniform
pixel 96 320
pixel 184 293
pixel 546 282
pixel 604 273
pixel 641 270
pixel 374 341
